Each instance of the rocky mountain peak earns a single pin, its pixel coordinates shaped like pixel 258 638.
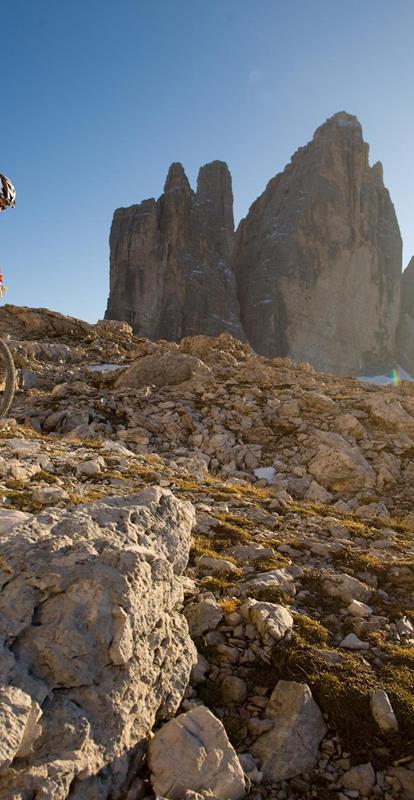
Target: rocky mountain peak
pixel 318 257
pixel 176 179
pixel 214 187
pixel 171 272
pixel 313 271
pixel 343 120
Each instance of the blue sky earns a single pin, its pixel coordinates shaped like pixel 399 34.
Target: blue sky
pixel 98 97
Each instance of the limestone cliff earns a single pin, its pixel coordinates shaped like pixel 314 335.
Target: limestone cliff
pixel 405 335
pixel 318 257
pixel 317 261
pixel 170 273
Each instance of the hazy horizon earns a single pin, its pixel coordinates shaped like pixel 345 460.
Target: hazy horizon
pixel 99 99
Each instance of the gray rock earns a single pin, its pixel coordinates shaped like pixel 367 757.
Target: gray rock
pixel 291 747
pixel 405 333
pixel 269 618
pixel 193 752
pixel 18 718
pixel 382 711
pixel 10 518
pixel 406 778
pixel 360 778
pixel 250 552
pixel 346 587
pixel 234 689
pixel 323 226
pixel 198 672
pixel 203 616
pixel 29 379
pixel 351 642
pixel 92 639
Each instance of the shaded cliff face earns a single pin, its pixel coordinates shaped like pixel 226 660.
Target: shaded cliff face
pixel 405 335
pixel 170 273
pixel 318 257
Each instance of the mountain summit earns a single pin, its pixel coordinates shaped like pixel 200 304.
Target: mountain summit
pixel 318 257
pixel 313 271
pixel 171 259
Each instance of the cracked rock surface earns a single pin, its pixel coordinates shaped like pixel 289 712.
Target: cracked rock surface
pixel 91 640
pixel 130 515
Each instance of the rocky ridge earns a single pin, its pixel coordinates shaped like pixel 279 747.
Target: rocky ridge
pixel 313 272
pixel 297 593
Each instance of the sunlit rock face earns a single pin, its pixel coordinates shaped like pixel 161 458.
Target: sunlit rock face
pixel 170 259
pixel 405 337
pixel 318 258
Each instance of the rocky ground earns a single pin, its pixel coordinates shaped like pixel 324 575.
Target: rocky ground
pixel 298 590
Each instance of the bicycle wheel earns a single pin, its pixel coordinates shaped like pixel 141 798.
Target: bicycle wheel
pixel 7 378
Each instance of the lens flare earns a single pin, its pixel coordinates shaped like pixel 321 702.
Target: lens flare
pixel 395 377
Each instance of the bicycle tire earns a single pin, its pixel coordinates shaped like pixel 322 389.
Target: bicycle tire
pixel 7 365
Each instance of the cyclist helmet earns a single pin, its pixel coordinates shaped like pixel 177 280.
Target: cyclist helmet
pixel 7 193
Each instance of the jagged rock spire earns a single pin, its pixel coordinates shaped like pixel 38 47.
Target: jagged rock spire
pixel 317 260
pixel 318 257
pixel 171 259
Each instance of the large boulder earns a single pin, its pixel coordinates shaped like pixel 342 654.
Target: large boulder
pixel 388 413
pixel 165 369
pixel 93 646
pixel 338 466
pixel 192 752
pixel 269 618
pixel 291 747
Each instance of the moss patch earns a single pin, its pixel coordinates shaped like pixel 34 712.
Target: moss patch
pixel 342 690
pixel 310 630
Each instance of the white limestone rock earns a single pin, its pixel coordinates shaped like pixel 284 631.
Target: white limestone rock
pixel 92 636
pixel 10 518
pixel 358 609
pixel 192 752
pixel 216 566
pixel 352 642
pixel 338 466
pixel 346 587
pixel 18 724
pixel 203 616
pixel 382 711
pixel 283 578
pixel 291 747
pixel 269 618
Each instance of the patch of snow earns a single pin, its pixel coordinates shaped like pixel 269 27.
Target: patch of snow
pixel 386 380
pixel 104 367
